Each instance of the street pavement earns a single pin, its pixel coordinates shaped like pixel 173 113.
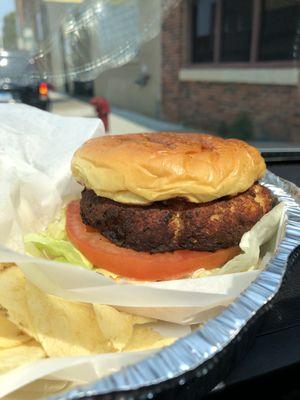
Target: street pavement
pixel 120 121
pixel 67 106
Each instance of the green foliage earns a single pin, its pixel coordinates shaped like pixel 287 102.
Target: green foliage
pixel 10 32
pixel 223 129
pixel 241 127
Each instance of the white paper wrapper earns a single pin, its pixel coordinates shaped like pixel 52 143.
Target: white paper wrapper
pixel 35 153
pixel 76 370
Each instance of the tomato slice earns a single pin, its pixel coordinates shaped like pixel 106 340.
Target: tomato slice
pixel 134 264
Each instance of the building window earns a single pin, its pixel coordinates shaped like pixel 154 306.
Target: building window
pixel 234 31
pixel 279 20
pixel 203 30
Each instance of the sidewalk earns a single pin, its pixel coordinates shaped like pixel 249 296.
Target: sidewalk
pixel 124 121
pixel 120 121
pixel 68 106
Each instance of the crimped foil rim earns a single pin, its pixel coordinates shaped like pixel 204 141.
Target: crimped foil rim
pixel 188 353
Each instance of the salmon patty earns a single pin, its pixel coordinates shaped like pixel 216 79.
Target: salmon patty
pixel 176 224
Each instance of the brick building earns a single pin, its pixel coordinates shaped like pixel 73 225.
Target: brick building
pixel 232 66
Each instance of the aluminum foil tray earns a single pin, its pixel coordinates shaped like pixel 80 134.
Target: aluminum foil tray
pixel 207 355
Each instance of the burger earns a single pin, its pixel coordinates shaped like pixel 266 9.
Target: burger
pixel 159 206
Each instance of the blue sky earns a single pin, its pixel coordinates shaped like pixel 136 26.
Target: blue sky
pixel 5 7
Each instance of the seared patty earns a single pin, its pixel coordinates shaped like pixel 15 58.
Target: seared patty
pixel 176 223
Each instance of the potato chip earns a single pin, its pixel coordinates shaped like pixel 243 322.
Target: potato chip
pixel 39 389
pixel 145 338
pixel 13 299
pixel 20 355
pixel 64 328
pixel 138 320
pixel 6 265
pixel 10 334
pixel 117 326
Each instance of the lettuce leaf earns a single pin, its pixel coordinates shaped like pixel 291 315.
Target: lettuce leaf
pixel 54 244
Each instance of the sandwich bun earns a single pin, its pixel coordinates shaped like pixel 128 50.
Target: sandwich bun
pixel 147 167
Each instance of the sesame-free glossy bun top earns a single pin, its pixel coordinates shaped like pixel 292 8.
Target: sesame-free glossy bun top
pixel 146 167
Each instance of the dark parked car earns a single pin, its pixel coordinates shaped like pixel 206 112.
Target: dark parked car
pixel 20 80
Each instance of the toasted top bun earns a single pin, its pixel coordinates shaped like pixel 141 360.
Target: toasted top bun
pixel 147 167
